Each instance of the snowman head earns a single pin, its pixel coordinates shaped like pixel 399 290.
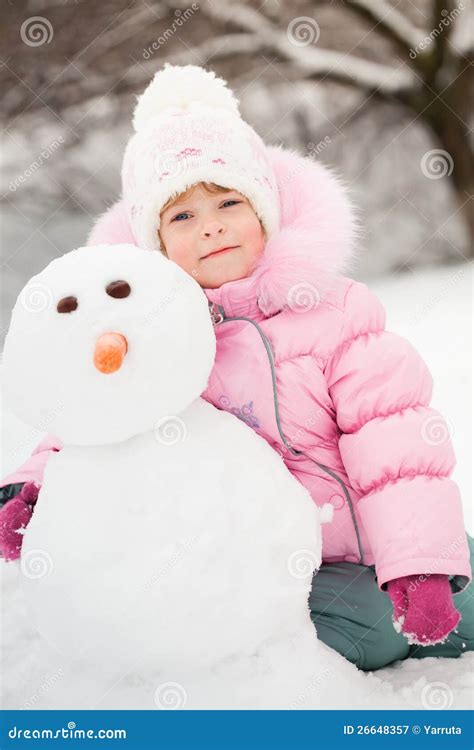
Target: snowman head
pixel 105 342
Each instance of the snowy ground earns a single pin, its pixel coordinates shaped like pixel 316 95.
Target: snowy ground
pixel 433 310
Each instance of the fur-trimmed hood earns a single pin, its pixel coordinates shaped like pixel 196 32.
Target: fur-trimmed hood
pixel 315 242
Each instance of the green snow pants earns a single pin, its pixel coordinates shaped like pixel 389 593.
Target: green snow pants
pixel 354 617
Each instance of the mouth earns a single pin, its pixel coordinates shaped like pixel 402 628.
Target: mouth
pixel 220 251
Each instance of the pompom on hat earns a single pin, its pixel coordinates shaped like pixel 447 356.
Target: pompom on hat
pixel 188 129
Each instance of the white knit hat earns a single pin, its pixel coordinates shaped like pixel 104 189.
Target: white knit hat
pixel 189 130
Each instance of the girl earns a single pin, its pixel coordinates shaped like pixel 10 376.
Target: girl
pixel 304 358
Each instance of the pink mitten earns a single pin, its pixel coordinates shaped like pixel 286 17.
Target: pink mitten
pixel 14 518
pixel 423 608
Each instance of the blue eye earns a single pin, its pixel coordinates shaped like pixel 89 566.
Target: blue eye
pixel 186 213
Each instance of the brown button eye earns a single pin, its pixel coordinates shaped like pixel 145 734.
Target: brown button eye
pixel 67 305
pixel 118 289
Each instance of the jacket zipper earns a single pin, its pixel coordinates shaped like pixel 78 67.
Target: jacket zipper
pixel 219 319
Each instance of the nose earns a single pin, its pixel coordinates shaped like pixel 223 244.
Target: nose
pixel 110 350
pixel 212 229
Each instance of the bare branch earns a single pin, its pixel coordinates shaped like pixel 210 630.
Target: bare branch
pixel 462 37
pixel 440 40
pixel 133 24
pixel 388 18
pixel 310 58
pixel 220 47
pixel 363 73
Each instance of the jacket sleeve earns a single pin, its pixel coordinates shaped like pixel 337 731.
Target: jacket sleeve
pixel 33 468
pixel 110 228
pixel 395 448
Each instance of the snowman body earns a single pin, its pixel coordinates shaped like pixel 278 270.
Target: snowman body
pixel 166 532
pixel 185 551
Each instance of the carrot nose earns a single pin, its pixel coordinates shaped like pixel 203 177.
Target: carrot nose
pixel 110 349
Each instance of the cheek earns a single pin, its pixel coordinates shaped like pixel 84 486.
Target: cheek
pixel 177 247
pixel 254 235
pixel 175 251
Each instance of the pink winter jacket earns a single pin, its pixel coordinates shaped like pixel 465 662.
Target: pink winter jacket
pixel 304 358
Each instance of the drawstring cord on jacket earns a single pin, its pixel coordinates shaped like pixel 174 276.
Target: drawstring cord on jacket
pixel 220 317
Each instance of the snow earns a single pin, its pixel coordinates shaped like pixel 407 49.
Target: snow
pixel 398 623
pixel 431 308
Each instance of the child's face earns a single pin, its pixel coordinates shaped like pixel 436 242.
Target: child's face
pixel 191 230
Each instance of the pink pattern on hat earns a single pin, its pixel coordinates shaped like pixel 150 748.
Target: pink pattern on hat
pixel 210 144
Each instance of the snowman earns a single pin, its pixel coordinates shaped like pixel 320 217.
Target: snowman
pixel 167 532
